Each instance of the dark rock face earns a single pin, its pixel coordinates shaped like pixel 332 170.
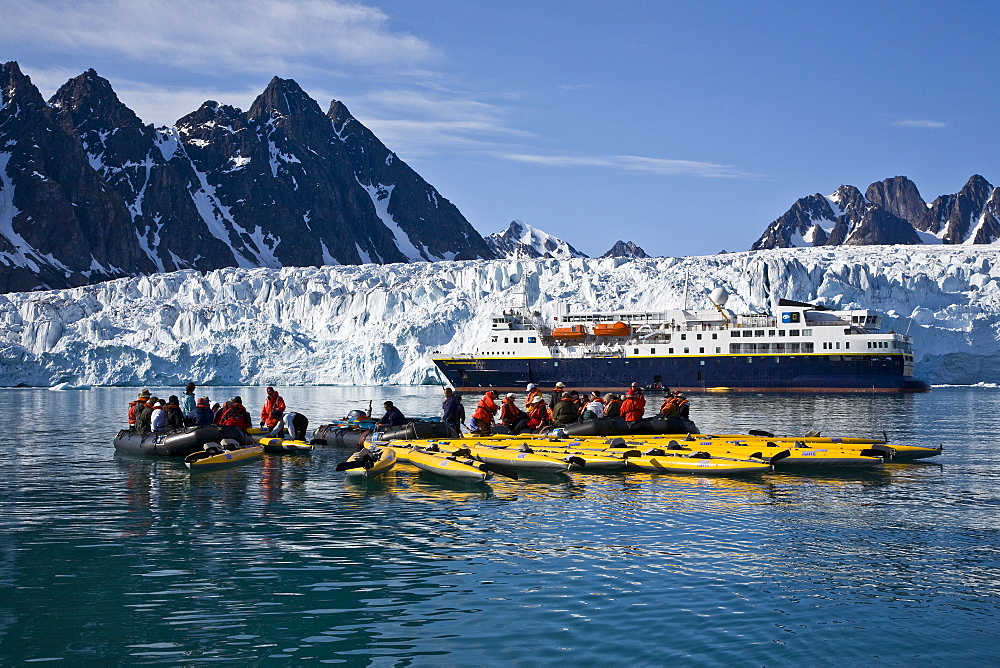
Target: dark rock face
pixel 890 212
pixel 413 204
pixel 89 192
pixel 625 249
pixel 60 223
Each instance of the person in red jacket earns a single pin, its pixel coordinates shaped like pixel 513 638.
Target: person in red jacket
pixel 485 411
pixel 135 406
pixel 633 406
pixel 538 416
pixel 274 408
pixel 511 416
pixel 236 415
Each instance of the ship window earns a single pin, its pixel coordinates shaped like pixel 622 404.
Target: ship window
pixel 670 351
pixel 531 339
pixel 684 337
pixel 718 349
pixel 807 347
pixel 494 340
pixel 687 350
pixel 702 362
pixel 770 332
pixel 735 333
pixel 505 340
pixel 635 351
pixel 698 336
pixel 793 332
pixel 701 350
pixel 652 351
pixel 781 332
pixel 838 345
pixel 807 332
pixel 714 335
pixel 758 332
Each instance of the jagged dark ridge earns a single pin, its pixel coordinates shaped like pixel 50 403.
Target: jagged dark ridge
pixel 90 193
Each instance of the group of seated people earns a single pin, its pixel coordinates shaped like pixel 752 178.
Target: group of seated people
pixel 568 407
pixel 151 415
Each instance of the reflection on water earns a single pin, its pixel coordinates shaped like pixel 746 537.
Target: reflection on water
pixel 120 559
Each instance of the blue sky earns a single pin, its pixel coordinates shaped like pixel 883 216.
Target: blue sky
pixel 685 127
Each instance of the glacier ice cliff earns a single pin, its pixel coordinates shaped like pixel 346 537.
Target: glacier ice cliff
pixel 376 324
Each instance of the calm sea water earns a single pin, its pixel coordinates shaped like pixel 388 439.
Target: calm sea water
pixel 112 560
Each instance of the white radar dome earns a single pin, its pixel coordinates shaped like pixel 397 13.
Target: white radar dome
pixel 719 296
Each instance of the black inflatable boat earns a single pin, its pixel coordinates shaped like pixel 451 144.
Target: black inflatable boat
pixel 178 443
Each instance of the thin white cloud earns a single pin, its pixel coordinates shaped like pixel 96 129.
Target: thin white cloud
pixel 434 120
pixel 634 163
pixel 264 36
pixel 916 123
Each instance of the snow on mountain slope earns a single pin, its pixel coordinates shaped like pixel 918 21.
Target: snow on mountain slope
pixel 521 241
pixel 376 324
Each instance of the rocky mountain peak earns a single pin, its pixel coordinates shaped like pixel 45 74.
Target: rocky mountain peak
pixel 16 87
pixel 891 211
pixel 283 98
pixel 625 249
pixel 900 197
pixel 88 102
pixel 521 240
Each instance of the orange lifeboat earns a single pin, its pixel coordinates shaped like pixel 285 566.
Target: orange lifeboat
pixel 574 332
pixel 612 329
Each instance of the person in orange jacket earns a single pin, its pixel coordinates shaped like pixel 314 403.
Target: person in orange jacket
pixel 274 408
pixel 485 411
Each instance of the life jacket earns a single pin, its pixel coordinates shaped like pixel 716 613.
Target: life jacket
pixel 486 408
pixel 670 407
pixel 133 410
pixel 270 406
pixel 510 414
pixel 631 409
pixel 236 416
pixel 539 416
pixel 530 399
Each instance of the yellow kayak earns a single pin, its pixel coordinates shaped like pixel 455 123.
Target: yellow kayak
pixel 701 463
pixel 857 457
pixel 893 451
pixel 587 460
pixel 278 445
pixel 218 456
pixel 443 464
pixel 369 463
pixel 811 457
pixel 512 458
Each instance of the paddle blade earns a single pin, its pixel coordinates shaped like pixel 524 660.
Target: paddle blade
pixel 779 456
pixel 577 461
pixel 344 466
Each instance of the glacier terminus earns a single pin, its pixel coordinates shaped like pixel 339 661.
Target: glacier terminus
pixel 379 324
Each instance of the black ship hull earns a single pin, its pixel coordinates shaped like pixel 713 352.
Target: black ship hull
pixel 740 373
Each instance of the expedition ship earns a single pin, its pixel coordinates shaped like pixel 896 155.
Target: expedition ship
pixel 803 348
